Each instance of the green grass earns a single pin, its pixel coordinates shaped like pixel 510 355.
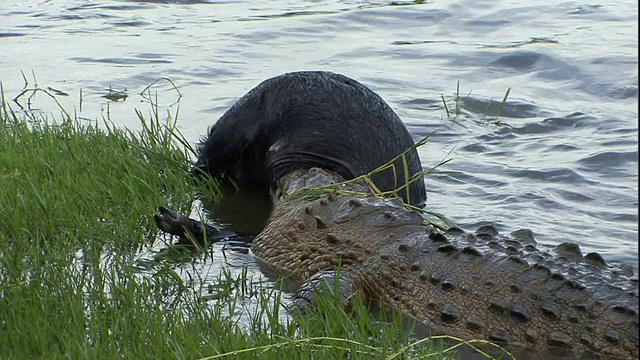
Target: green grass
pixel 490 114
pixel 433 218
pixel 76 206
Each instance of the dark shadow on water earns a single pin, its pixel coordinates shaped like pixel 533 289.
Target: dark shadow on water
pixel 495 107
pixel 231 221
pixel 244 211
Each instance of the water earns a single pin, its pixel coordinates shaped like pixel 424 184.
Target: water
pixel 565 167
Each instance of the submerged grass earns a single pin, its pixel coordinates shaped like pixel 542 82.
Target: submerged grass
pixel 75 209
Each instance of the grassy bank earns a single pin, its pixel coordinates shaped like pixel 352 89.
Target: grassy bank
pixel 76 205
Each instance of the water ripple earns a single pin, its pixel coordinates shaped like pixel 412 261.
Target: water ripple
pixel 124 61
pixel 130 23
pixel 508 109
pixel 10 34
pixel 560 156
pixel 564 176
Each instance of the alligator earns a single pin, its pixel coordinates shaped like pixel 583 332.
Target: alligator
pixel 331 227
pixel 503 289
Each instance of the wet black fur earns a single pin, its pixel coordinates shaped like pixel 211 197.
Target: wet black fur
pixel 309 119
